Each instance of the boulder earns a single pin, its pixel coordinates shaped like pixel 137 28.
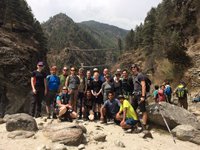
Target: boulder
pixel 187 133
pixel 65 133
pixel 174 115
pixel 21 121
pixel 20 134
pixel 100 137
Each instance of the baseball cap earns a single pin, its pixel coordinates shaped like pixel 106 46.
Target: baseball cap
pixel 120 97
pixel 95 69
pixel 40 63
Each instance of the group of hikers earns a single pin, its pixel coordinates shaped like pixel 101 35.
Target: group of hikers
pixel 95 96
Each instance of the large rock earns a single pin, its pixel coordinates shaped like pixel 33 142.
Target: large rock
pixel 65 133
pixel 21 122
pixel 187 133
pixel 174 115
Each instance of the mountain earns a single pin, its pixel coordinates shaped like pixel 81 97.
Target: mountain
pixel 22 45
pixel 108 35
pixel 66 39
pixel 62 31
pixel 167 43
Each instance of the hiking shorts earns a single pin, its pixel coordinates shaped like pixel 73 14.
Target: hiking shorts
pixel 135 102
pixel 131 122
pixel 51 97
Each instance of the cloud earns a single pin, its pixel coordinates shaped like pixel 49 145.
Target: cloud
pixel 125 14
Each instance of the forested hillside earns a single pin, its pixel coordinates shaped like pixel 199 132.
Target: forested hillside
pixel 65 37
pixel 108 35
pixel 162 41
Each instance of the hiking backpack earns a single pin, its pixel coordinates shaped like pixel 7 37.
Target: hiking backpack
pixel 168 90
pixel 181 92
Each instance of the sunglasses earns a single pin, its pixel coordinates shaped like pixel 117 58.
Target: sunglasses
pixel 64 69
pixel 40 65
pixel 72 70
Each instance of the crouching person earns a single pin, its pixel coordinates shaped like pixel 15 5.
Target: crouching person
pixel 64 109
pixel 110 109
pixel 126 114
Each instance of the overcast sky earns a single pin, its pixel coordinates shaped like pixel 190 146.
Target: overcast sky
pixel 122 13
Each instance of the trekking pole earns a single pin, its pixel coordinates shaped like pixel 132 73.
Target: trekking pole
pixel 158 109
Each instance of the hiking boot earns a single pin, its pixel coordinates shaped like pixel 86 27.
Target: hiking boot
pixel 54 116
pixel 37 115
pixel 48 116
pixel 145 126
pixel 103 120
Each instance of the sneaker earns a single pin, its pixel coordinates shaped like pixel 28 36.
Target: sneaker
pixel 137 130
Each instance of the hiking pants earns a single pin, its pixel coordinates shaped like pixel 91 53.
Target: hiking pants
pixel 182 102
pixel 80 104
pixel 36 103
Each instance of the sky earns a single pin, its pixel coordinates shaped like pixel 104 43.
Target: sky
pixel 125 14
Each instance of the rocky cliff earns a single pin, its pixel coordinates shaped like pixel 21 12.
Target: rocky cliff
pixel 18 57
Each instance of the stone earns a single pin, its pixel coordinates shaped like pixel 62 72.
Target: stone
pixel 57 146
pixel 20 134
pixel 147 134
pixel 119 143
pixel 100 137
pixel 42 147
pixel 21 121
pixel 174 115
pixel 81 146
pixel 66 133
pixel 187 133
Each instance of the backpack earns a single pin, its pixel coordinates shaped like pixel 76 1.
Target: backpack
pixel 181 92
pixel 147 83
pixel 168 90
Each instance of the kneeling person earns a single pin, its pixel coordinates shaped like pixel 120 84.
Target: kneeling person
pixel 64 108
pixel 110 108
pixel 129 119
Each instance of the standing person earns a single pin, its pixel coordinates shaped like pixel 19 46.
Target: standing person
pixel 110 108
pixel 168 92
pixel 53 85
pixel 139 93
pixel 129 117
pixel 181 92
pixel 39 89
pixel 127 84
pixel 97 93
pixel 107 87
pixel 117 83
pixel 72 82
pixel 161 94
pixel 64 108
pixel 63 77
pixel 155 93
pixel 89 79
pixel 81 90
pixel 103 76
